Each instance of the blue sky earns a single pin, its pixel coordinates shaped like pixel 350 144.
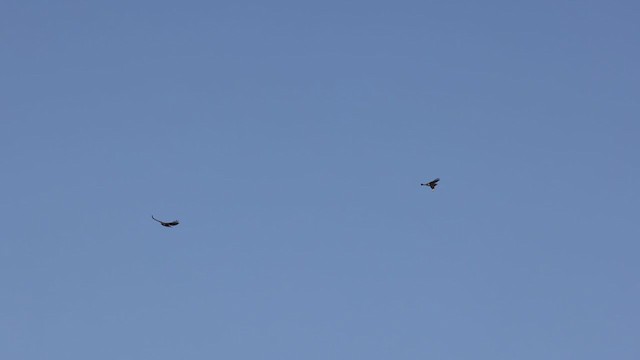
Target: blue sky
pixel 290 139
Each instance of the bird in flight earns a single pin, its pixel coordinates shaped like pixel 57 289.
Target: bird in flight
pixel 167 224
pixel 432 184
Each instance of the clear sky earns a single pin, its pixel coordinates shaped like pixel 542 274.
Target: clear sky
pixel 290 139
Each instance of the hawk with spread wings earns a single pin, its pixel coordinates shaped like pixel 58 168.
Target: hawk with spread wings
pixel 432 184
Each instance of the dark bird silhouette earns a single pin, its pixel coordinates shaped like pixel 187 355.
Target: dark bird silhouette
pixel 432 184
pixel 167 224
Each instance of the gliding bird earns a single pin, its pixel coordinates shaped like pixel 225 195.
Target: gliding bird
pixel 167 224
